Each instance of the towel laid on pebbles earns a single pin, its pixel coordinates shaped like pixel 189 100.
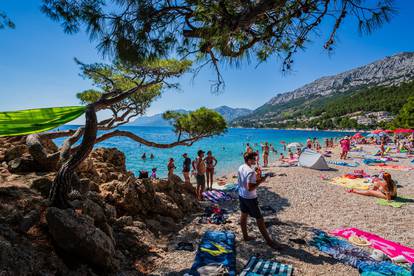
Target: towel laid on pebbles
pixel 390 248
pixel 397 202
pixel 258 267
pixel 357 183
pixel 346 253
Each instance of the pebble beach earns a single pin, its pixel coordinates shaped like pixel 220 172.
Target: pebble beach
pixel 303 203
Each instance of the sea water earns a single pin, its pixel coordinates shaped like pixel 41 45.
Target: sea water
pixel 227 148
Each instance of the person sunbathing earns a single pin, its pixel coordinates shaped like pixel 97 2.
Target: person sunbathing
pixel 386 189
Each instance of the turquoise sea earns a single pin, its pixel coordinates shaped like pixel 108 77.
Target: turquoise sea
pixel 227 148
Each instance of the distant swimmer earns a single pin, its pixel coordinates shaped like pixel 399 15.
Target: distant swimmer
pixel 152 156
pixel 144 156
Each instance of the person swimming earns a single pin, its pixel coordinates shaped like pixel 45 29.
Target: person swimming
pixel 152 156
pixel 144 156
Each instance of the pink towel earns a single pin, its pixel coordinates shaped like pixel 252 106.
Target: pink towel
pixel 392 249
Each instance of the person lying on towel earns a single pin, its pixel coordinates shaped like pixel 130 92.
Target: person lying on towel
pixel 386 188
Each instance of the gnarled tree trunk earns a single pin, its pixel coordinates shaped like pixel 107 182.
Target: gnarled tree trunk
pixel 63 182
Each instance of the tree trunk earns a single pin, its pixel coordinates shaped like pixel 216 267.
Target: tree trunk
pixel 62 184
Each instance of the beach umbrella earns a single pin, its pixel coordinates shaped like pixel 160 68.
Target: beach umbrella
pixel 294 145
pixel 377 131
pixel 357 136
pixel 372 135
pixel 403 130
pixel 389 131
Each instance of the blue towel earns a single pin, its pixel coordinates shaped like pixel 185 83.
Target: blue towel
pixel 345 164
pixel 260 267
pixel 369 161
pixel 209 251
pixel 354 256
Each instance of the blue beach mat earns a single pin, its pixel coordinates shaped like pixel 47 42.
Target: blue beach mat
pixel 216 247
pixel 345 164
pixel 259 267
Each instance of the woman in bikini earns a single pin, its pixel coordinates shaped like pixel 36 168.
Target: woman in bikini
pixel 386 189
pixel 211 162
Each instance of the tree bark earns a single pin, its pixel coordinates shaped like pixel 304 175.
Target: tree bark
pixel 62 183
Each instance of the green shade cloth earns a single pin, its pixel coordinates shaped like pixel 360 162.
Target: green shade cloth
pixel 397 202
pixel 23 122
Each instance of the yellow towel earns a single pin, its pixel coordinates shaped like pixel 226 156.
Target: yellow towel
pixel 358 183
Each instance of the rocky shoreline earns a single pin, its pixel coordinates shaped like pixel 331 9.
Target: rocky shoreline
pixel 115 227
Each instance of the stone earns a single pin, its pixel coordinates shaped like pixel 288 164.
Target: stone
pixel 93 210
pixel 86 165
pixel 29 220
pixel 76 235
pixel 15 152
pixel 42 185
pixel 21 165
pixel 125 220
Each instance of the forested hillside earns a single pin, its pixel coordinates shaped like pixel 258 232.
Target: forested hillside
pixel 337 110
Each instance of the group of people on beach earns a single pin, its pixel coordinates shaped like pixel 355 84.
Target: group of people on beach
pixel 202 167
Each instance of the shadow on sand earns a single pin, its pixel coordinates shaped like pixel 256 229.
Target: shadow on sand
pixel 292 236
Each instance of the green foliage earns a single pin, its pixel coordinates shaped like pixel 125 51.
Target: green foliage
pixel 405 118
pixel 114 79
pixel 5 21
pixel 201 122
pixel 230 29
pixel 332 111
pixel 89 96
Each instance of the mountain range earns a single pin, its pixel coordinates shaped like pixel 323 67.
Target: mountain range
pixel 382 86
pixel 228 113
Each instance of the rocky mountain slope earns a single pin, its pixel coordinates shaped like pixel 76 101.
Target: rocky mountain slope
pixel 228 113
pixel 390 71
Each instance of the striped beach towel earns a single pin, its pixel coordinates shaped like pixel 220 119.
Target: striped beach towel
pixel 257 266
pixel 216 196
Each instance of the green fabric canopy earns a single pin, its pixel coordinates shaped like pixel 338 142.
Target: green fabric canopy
pixel 23 122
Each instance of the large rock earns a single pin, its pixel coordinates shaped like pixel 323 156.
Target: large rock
pixel 77 235
pixel 21 165
pixel 42 185
pixel 15 152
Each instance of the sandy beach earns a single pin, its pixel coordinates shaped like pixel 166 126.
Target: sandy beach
pixel 303 202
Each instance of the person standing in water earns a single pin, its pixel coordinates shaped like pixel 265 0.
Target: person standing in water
pixel 248 148
pixel 211 162
pixel 200 167
pixel 248 181
pixel 186 168
pixel 265 149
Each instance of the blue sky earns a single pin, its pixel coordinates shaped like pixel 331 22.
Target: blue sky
pixel 37 67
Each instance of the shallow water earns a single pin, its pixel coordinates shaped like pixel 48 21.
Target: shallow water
pixel 227 148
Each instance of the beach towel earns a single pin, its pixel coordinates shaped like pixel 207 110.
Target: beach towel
pixel 346 253
pixel 257 266
pixel 345 164
pixel 397 202
pixel 216 196
pixel 368 161
pixel 24 122
pixel 391 249
pixel 216 247
pixel 392 167
pixel 357 183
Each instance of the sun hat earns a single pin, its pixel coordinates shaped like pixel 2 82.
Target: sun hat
pixel 360 241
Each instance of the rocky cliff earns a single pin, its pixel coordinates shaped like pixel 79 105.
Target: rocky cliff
pixel 389 71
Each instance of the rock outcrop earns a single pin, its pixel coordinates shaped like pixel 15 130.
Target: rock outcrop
pixel 389 71
pixel 116 217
